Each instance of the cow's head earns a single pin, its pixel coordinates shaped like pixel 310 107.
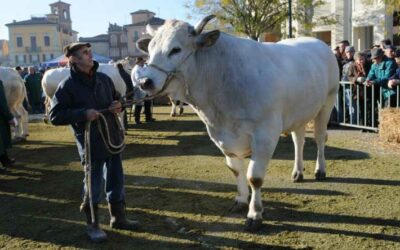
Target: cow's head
pixel 171 51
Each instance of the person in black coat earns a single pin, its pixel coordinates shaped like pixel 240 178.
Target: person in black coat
pixel 6 120
pixel 78 100
pixel 129 88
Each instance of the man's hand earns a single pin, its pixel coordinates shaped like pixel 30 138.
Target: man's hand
pixel 392 83
pixel 368 83
pixel 115 107
pixel 92 114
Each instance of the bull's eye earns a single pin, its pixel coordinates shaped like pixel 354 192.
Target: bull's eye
pixel 174 51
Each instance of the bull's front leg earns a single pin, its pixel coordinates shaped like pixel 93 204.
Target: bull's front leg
pixel 237 167
pixel 298 140
pixel 262 151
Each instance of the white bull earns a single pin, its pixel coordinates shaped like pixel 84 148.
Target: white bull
pixel 246 93
pixel 53 77
pixel 15 92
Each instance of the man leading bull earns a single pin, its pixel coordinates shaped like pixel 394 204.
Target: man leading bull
pixel 82 99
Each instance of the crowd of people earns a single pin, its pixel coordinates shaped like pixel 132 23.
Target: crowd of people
pixel 374 75
pixel 33 83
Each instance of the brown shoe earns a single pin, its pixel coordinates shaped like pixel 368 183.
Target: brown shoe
pixel 118 218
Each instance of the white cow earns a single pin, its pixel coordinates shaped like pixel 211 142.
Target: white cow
pixel 53 77
pixel 246 93
pixel 15 92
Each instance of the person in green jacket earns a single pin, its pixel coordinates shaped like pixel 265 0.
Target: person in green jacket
pixel 379 74
pixel 6 120
pixel 34 89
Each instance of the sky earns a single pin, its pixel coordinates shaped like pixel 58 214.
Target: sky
pixel 91 17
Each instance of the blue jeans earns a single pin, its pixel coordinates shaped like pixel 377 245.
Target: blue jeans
pixel 107 175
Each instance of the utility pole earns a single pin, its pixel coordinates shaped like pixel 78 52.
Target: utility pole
pixel 290 18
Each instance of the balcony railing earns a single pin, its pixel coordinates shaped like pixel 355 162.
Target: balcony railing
pixel 33 49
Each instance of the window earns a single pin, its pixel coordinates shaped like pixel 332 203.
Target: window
pixel 24 58
pixel 30 58
pixel 135 36
pixel 396 39
pixel 123 38
pixel 46 41
pixel 113 40
pixel 124 52
pixel 44 57
pixel 396 18
pixel 16 59
pixel 33 42
pixel 51 56
pixel 19 42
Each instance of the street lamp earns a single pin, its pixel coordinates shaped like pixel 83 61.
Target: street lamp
pixel 290 18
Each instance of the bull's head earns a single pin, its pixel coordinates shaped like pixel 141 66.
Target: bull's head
pixel 171 51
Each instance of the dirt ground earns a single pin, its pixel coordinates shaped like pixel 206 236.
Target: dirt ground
pixel 179 188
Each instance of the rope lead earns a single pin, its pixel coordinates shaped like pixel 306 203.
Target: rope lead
pixel 111 148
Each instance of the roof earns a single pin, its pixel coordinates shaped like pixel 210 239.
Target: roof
pixel 32 21
pixel 98 38
pixel 56 3
pixel 152 21
pixel 142 12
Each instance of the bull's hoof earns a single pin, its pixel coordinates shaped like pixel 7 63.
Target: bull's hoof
pixel 239 207
pixel 253 225
pixel 45 120
pixel 172 114
pixel 297 177
pixel 181 111
pixel 320 176
pixel 18 139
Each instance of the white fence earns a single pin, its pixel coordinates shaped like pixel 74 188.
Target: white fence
pixel 358 105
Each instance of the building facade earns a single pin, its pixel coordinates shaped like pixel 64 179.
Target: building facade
pixel 100 44
pixel 362 23
pixel 118 42
pixel 40 39
pixel 137 29
pixel 4 52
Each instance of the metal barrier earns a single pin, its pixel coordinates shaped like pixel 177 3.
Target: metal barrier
pixel 358 105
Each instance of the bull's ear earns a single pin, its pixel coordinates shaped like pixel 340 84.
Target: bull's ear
pixel 207 39
pixel 143 44
pixel 150 30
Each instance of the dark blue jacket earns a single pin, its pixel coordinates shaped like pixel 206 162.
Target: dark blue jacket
pixel 74 96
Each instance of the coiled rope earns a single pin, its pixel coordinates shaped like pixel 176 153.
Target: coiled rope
pixel 111 148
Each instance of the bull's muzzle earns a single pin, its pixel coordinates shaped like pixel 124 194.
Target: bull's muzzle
pixel 146 84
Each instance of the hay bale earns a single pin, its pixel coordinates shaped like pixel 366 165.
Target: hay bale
pixel 389 120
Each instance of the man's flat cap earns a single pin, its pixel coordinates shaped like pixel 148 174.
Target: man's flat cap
pixel 72 47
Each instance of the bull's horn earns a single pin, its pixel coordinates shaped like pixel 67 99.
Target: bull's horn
pixel 200 25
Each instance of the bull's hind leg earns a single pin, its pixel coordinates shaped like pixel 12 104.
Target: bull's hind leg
pixel 298 140
pixel 173 107
pixel 236 165
pixel 320 135
pixel 24 130
pixel 180 108
pixel 263 147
